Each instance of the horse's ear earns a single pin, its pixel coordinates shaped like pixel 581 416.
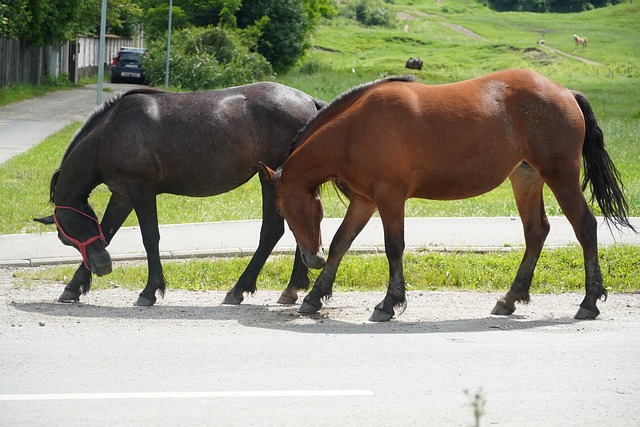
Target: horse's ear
pixel 47 220
pixel 266 171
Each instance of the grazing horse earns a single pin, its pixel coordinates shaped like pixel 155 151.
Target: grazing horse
pixel 394 139
pixel 580 41
pixel 147 142
pixel 414 63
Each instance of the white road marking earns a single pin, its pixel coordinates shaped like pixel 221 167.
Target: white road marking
pixel 187 395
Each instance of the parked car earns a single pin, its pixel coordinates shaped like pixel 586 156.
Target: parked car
pixel 127 66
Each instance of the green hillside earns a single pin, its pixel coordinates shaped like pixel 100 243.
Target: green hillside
pixel 460 39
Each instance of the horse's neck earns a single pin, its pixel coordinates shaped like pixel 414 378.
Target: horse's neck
pixel 314 163
pixel 75 181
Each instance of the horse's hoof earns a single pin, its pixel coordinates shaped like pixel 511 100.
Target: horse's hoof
pixel 68 296
pixel 586 314
pixel 380 316
pixel 503 308
pixel 101 264
pixel 144 301
pixel 307 308
pixel 232 299
pixel 288 297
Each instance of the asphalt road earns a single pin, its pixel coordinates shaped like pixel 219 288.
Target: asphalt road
pixel 191 362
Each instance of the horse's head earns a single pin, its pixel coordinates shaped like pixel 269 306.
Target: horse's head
pixel 80 228
pixel 302 209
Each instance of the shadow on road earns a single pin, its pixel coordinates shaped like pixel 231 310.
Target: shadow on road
pixel 333 320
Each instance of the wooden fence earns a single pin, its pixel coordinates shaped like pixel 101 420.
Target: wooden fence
pixel 20 63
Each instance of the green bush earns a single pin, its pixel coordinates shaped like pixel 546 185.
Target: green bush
pixel 370 13
pixel 207 58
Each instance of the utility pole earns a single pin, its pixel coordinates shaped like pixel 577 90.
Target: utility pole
pixel 166 70
pixel 103 26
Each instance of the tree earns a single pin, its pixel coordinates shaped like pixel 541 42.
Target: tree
pixel 281 27
pixel 284 31
pixel 14 17
pixel 123 17
pixel 42 22
pixel 50 21
pixel 207 58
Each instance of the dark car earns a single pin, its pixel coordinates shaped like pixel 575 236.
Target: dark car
pixel 127 66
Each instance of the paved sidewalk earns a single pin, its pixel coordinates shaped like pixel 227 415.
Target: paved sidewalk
pixel 240 238
pixel 25 124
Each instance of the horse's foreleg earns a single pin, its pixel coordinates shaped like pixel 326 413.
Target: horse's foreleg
pixel 527 187
pixel 299 280
pixel 117 211
pixel 79 285
pixel 357 216
pixel 146 210
pixel 393 222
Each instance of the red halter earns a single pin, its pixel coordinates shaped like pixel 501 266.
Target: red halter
pixel 82 246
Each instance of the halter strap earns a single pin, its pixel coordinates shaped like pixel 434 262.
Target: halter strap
pixel 82 246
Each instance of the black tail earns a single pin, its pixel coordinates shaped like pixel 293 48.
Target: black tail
pixel 600 173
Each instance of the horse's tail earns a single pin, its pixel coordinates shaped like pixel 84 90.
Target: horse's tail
pixel 343 187
pixel 599 171
pixel 52 185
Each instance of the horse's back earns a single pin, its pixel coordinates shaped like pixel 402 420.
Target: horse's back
pixel 201 143
pixel 467 136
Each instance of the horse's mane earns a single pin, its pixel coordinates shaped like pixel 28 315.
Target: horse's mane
pixel 94 118
pixel 346 96
pixel 338 184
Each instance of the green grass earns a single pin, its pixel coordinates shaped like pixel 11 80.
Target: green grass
pixel 21 91
pixel 559 270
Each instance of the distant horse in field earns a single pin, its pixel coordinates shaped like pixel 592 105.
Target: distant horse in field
pixel 146 142
pixel 393 139
pixel 580 41
pixel 414 64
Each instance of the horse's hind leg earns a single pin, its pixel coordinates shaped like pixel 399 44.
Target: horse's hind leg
pixel 271 231
pixel 117 211
pixel 527 187
pixel 575 207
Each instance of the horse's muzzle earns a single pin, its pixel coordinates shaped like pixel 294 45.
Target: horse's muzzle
pixel 316 260
pixel 101 263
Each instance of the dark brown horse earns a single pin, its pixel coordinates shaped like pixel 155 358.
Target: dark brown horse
pixel 394 139
pixel 145 142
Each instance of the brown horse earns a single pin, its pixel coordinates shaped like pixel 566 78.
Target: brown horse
pixel 580 41
pixel 393 139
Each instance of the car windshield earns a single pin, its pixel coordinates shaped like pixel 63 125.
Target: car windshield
pixel 129 57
